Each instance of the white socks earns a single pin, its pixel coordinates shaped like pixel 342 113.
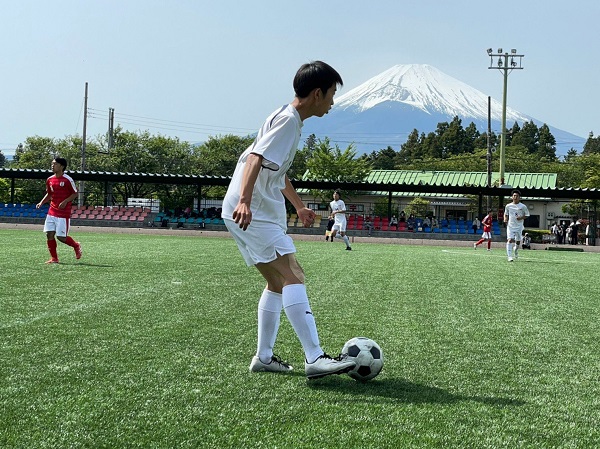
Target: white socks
pixel 269 310
pixel 297 310
pixel 344 237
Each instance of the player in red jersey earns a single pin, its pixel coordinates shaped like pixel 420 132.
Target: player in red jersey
pixel 60 191
pixel 487 231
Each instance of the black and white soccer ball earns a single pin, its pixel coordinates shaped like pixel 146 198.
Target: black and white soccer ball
pixel 368 357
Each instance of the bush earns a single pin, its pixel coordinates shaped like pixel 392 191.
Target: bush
pixel 536 234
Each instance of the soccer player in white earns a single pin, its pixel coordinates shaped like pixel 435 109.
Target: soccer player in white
pixel 515 214
pixel 255 214
pixel 338 210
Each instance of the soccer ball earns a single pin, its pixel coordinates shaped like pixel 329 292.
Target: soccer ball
pixel 368 357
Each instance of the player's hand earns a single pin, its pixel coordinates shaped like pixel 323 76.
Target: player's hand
pixel 62 205
pixel 242 215
pixel 306 216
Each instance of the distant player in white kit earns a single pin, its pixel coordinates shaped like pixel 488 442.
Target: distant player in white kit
pixel 515 214
pixel 338 211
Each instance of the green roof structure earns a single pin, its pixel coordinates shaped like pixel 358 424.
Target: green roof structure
pixel 458 178
pixel 454 179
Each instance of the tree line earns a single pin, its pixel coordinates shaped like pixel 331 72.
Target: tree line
pixel 449 148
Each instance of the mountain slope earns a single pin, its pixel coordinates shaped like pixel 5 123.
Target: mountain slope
pixel 382 111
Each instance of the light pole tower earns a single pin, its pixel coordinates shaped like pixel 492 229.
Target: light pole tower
pixel 506 63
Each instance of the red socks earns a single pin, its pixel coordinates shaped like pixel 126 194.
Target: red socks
pixel 69 241
pixel 52 248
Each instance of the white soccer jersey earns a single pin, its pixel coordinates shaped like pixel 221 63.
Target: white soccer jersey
pixel 277 142
pixel 337 206
pixel 515 227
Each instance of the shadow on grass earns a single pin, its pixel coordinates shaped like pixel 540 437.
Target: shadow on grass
pixel 405 391
pixel 85 264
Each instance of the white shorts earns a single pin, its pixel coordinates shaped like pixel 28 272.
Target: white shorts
pixel 261 242
pixel 514 234
pixel 57 224
pixel 339 227
pixel 486 235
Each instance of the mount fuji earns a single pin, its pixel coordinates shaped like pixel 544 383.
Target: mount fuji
pixel 384 110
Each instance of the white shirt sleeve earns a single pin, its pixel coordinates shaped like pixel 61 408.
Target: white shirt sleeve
pixel 277 142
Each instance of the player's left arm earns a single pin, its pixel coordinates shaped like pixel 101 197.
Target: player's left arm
pixel 306 215
pixel 67 200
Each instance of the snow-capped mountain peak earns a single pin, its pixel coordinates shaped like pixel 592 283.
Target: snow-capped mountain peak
pixel 426 88
pixel 385 109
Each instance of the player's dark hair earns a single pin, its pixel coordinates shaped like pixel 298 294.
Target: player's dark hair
pixel 313 75
pixel 518 192
pixel 62 161
pixel 338 191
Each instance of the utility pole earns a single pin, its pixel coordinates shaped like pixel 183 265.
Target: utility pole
pixel 111 127
pixel 489 153
pixel 83 143
pixel 506 67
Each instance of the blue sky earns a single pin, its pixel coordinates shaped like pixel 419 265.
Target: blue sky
pixel 191 69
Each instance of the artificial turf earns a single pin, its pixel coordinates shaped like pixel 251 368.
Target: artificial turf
pixel 146 341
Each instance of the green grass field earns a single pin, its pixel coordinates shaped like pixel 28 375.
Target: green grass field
pixel 146 341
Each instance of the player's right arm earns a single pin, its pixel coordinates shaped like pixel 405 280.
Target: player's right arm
pixel 306 215
pixel 242 214
pixel 43 201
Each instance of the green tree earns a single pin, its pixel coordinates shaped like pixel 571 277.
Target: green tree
pixel 572 153
pixel 547 144
pixel 419 207
pixel 298 167
pixel 592 145
pixel 412 149
pixel 512 132
pixel 527 137
pixel 385 159
pixel 4 190
pixel 431 146
pixel 472 136
pixel 453 138
pixel 332 164
pixel 36 153
pixel 218 157
pixel 2 159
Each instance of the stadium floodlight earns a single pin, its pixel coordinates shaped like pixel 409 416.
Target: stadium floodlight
pixel 503 63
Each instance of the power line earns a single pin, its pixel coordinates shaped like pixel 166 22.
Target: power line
pixel 364 138
pixel 172 125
